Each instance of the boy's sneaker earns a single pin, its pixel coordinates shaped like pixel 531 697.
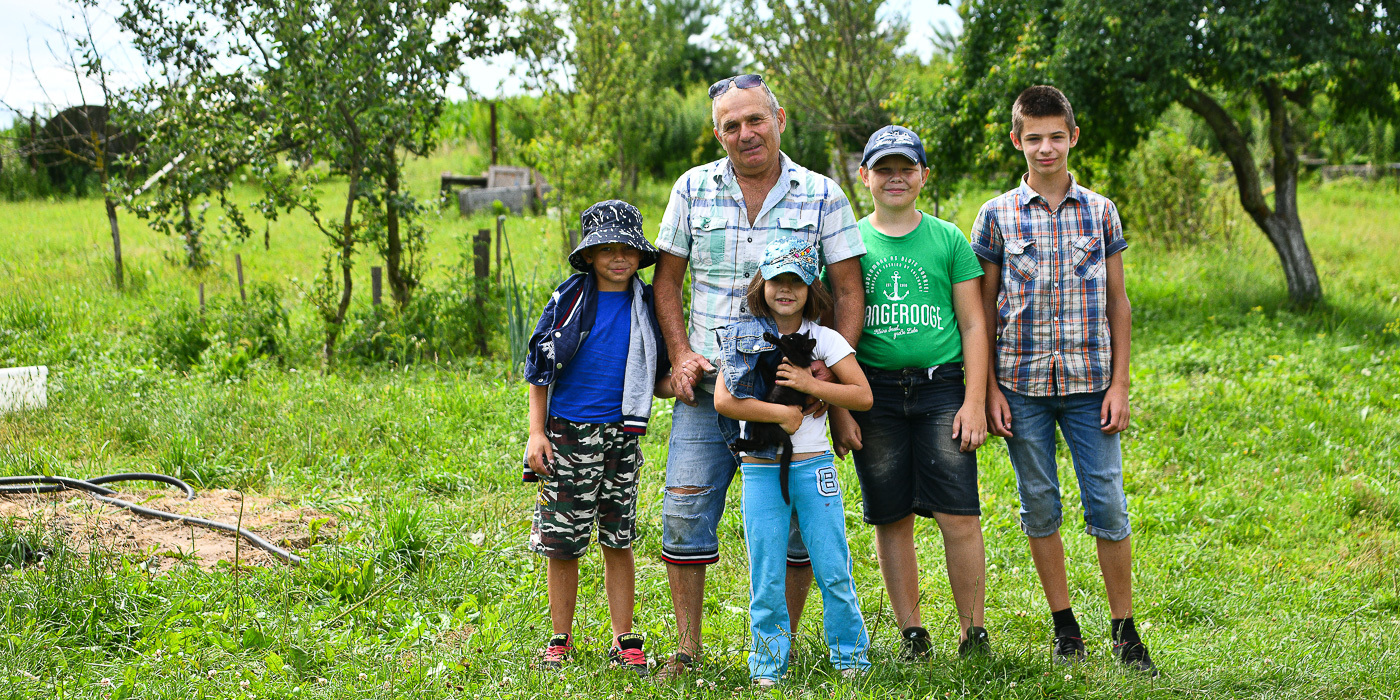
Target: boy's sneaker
pixel 1069 650
pixel 976 644
pixel 556 653
pixel 627 653
pixel 914 644
pixel 1133 655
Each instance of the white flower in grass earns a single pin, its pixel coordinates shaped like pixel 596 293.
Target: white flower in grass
pixel 243 685
pixel 1069 676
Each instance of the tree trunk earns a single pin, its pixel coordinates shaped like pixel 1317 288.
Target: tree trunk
pixel 399 285
pixel 117 273
pixel 194 255
pixel 347 251
pixel 844 175
pixel 1280 224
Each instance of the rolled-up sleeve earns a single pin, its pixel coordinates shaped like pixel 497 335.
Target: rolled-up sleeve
pixel 674 237
pixel 840 239
pixel 986 236
pixel 1113 240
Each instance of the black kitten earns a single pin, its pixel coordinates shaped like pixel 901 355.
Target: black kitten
pixel 797 348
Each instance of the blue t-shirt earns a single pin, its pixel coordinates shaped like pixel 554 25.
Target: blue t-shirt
pixel 589 389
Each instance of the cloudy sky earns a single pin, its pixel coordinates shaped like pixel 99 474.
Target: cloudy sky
pixel 33 72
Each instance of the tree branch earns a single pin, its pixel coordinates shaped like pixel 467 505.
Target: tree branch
pixel 1236 148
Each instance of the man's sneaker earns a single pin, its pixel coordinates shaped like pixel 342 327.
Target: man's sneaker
pixel 976 644
pixel 1069 650
pixel 1133 655
pixel 914 644
pixel 627 653
pixel 674 667
pixel 558 651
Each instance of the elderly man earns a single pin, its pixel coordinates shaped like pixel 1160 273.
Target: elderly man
pixel 720 218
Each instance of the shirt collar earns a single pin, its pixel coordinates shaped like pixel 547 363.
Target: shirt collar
pixel 1074 192
pixel 723 173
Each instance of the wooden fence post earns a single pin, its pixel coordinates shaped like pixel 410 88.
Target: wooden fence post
pixel 500 233
pixel 481 248
pixel 201 298
pixel 494 149
pixel 238 263
pixel 376 285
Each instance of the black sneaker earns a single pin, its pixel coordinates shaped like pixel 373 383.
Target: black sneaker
pixel 976 644
pixel 554 655
pixel 914 644
pixel 1069 650
pixel 627 653
pixel 1133 655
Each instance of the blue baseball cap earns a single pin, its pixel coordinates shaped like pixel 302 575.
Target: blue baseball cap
pixel 790 254
pixel 894 140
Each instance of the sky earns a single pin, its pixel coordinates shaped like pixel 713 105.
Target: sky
pixel 33 73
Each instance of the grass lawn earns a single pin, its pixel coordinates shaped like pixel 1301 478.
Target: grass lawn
pixel 1261 468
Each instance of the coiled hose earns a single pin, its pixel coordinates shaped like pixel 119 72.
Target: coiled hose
pixel 49 484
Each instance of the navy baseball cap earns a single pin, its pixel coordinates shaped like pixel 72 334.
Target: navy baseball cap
pixel 612 221
pixel 894 140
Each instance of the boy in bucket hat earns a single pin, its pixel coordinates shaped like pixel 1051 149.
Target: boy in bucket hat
pixel 595 360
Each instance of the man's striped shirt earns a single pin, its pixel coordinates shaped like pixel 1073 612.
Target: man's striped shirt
pixel 707 223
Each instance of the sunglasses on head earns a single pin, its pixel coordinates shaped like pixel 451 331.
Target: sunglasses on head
pixel 743 82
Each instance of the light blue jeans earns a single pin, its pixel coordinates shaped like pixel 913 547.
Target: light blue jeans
pixel 816 501
pixel 1097 457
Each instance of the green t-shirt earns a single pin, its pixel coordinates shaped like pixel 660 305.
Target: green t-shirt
pixel 909 320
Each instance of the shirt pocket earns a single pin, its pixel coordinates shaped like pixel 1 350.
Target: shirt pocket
pixel 1087 255
pixel 710 232
pixel 802 224
pixel 1022 259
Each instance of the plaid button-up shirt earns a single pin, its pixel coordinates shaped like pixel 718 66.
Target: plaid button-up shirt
pixel 1052 310
pixel 707 223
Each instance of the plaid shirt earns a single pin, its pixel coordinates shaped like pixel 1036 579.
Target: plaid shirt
pixel 1052 310
pixel 707 223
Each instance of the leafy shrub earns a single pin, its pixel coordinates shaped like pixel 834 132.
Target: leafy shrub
pixel 180 335
pixel 1176 194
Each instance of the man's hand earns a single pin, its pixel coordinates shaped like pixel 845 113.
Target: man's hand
pixel 1113 417
pixel 689 368
pixel 998 412
pixel 970 427
pixel 539 455
pixel 845 432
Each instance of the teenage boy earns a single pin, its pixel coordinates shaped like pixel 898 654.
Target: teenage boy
pixel 1054 282
pixel 595 360
pixel 917 445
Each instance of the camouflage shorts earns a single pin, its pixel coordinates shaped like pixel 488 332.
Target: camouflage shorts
pixel 595 476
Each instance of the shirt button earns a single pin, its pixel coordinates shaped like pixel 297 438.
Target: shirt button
pixel 556 334
pixel 561 364
pixel 1057 285
pixel 751 239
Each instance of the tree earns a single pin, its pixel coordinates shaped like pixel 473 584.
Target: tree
pixel 351 84
pixel 1122 64
pixel 597 64
pixel 835 60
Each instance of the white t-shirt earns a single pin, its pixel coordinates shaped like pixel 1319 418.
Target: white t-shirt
pixel 831 348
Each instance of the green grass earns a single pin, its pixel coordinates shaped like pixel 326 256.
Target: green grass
pixel 1261 467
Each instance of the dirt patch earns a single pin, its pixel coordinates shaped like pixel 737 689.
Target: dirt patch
pixel 87 524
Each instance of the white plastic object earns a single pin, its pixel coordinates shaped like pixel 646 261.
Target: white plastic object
pixel 23 388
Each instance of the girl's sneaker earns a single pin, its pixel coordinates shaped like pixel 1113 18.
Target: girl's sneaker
pixel 627 653
pixel 556 653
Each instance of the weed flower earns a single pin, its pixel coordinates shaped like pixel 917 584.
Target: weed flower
pixel 105 683
pixel 243 685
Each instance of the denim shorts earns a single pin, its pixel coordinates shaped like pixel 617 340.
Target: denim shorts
pixel 700 458
pixel 909 461
pixel 1098 463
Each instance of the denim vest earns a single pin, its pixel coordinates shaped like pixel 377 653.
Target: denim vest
pixel 742 348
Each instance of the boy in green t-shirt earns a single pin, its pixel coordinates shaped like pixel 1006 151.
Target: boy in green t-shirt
pixel 915 450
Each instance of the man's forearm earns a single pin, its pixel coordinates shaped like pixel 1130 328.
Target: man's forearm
pixel 847 287
pixel 670 315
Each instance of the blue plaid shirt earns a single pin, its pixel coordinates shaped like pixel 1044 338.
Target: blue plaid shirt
pixel 707 223
pixel 1052 310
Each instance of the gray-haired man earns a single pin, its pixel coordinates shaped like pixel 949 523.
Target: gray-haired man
pixel 720 218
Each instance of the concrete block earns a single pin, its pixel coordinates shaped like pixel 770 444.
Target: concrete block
pixel 517 199
pixel 23 388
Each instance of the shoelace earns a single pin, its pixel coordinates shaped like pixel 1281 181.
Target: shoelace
pixel 556 652
pixel 632 657
pixel 1064 645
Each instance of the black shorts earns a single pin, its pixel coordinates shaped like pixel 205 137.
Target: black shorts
pixel 910 462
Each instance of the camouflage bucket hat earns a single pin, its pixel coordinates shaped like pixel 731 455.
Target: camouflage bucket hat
pixel 612 221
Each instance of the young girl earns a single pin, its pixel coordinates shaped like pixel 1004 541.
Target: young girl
pixel 784 301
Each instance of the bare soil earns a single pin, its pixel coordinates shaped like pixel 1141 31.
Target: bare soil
pixel 87 524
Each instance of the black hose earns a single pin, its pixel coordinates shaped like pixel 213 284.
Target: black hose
pixel 49 484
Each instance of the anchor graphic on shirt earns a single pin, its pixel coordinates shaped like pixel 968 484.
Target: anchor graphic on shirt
pixel 894 284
